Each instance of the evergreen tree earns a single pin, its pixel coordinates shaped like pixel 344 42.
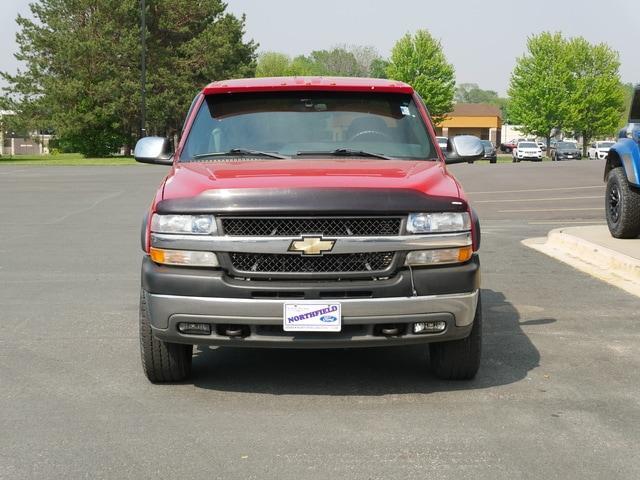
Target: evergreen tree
pixel 81 72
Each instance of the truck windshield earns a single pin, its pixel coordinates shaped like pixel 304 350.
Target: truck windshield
pixel 293 124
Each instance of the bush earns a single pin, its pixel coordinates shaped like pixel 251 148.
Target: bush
pixel 92 142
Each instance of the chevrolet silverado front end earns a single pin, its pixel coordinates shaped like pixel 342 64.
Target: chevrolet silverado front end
pixel 309 213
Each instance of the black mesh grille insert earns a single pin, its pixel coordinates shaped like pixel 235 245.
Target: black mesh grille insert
pixel 339 263
pixel 331 226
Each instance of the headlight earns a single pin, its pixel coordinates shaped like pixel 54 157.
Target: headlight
pixel 185 224
pixel 185 258
pixel 438 222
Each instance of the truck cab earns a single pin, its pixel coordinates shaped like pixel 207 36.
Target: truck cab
pixel 309 213
pixel 622 175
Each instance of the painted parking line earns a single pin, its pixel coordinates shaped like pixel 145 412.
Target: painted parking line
pixel 555 199
pixel 583 222
pixel 527 210
pixel 559 189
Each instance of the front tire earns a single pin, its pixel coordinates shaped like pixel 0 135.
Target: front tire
pixel 161 361
pixel 459 359
pixel 622 204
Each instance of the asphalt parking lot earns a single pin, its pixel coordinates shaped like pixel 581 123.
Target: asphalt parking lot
pixel 557 396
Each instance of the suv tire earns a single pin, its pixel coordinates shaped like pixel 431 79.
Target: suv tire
pixel 459 359
pixel 622 205
pixel 161 361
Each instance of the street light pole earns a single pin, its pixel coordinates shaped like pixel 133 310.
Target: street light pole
pixel 143 69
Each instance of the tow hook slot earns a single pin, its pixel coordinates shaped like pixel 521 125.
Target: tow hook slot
pixel 390 330
pixel 233 331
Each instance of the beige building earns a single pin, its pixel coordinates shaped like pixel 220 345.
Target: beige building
pixel 480 119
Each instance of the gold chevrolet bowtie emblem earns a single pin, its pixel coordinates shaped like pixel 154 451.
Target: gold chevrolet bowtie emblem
pixel 312 246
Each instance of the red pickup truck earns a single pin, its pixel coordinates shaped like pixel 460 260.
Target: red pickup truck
pixel 309 213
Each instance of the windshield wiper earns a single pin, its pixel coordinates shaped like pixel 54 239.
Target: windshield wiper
pixel 240 152
pixel 345 152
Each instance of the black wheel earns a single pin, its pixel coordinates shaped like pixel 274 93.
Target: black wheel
pixel 622 204
pixel 161 361
pixel 493 160
pixel 459 359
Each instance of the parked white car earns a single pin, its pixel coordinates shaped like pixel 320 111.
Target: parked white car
pixel 599 150
pixel 527 151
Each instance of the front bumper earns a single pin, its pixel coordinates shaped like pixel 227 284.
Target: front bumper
pixel 175 295
pixel 261 320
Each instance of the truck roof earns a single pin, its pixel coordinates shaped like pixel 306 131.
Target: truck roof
pixel 275 84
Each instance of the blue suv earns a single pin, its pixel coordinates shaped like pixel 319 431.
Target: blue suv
pixel 622 174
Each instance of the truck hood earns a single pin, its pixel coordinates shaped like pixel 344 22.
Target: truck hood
pixel 190 179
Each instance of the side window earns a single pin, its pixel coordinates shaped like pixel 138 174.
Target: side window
pixel 634 115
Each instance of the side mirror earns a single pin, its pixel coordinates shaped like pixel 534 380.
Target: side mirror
pixel 464 148
pixel 153 150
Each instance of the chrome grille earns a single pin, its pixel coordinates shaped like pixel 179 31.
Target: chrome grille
pixel 328 226
pixel 338 263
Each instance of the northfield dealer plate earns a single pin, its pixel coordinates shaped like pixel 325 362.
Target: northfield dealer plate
pixel 312 317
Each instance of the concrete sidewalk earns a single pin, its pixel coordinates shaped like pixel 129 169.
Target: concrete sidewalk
pixel 593 250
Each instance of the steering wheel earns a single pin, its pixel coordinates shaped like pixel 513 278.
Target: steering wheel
pixel 372 133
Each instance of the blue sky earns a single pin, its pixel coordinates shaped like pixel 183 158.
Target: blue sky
pixel 481 39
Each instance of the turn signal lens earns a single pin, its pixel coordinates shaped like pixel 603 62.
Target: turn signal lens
pixel 184 258
pixel 465 253
pixel 439 257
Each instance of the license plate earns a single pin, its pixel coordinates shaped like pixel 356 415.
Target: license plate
pixel 312 317
pixel 569 156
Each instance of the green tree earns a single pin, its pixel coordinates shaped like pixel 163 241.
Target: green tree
pixel 419 60
pixel 596 92
pixel 337 62
pixel 341 60
pixel 378 68
pixel 540 85
pixel 189 45
pixel 82 65
pixel 367 58
pixel 472 93
pixel 273 64
pixel 304 66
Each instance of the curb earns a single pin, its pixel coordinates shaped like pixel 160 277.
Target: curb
pixel 601 262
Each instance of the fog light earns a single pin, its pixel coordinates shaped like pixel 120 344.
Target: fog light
pixel 429 327
pixel 195 328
